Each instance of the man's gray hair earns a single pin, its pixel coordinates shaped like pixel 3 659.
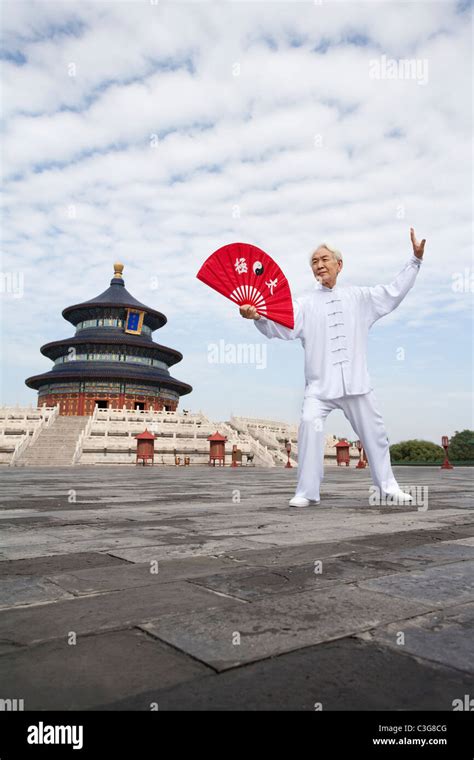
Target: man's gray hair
pixel 335 251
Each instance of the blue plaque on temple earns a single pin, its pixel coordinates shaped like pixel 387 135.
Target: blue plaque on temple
pixel 133 320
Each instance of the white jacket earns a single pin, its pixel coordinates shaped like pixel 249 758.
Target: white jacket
pixel 333 326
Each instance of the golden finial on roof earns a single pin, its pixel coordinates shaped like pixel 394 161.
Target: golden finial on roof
pixel 118 269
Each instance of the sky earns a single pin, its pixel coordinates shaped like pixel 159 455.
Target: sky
pixel 153 133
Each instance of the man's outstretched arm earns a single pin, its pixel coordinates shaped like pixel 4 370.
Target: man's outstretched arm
pixel 272 329
pixel 383 299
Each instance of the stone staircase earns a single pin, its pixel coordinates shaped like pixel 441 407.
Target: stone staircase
pixel 54 446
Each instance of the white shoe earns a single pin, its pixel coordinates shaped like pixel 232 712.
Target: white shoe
pixel 300 501
pixel 400 497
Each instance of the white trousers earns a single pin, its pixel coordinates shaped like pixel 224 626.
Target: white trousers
pixel 367 423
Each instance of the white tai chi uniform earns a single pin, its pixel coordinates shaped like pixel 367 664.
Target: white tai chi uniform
pixel 333 325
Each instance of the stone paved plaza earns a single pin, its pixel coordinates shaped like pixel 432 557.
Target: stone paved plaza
pixel 199 588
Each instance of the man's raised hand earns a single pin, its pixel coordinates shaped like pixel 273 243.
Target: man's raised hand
pixel 249 312
pixel 418 248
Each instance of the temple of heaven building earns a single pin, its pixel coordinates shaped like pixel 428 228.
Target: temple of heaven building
pixel 112 360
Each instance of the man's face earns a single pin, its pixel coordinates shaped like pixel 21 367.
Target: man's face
pixel 325 267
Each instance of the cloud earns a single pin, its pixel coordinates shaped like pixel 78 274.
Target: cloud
pixel 154 134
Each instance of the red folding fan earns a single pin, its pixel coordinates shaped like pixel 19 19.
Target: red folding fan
pixel 247 275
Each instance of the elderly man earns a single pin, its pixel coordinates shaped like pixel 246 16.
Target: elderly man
pixel 332 323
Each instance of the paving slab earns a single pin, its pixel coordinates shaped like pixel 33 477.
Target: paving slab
pixel 118 609
pixel 8 512
pixel 29 590
pixel 45 565
pixel 441 586
pixel 165 551
pixel 278 624
pixel 292 555
pixel 445 637
pixel 302 553
pixel 406 539
pixel 254 583
pixel 338 532
pixel 52 547
pixel 82 533
pixel 442 551
pixel 128 575
pixel 414 557
pixel 465 542
pixel 99 669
